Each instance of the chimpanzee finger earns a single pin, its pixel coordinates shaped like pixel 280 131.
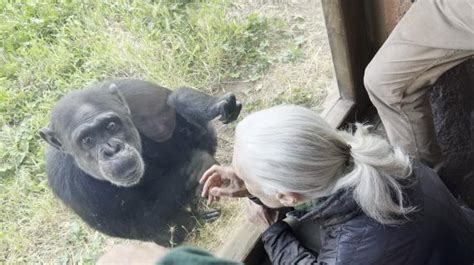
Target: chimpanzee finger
pixel 231 98
pixel 235 114
pixel 228 107
pixel 225 112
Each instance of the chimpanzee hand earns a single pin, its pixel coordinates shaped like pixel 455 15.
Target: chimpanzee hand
pixel 229 108
pixel 222 181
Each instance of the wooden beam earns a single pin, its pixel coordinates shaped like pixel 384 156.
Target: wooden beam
pixel 382 17
pixel 244 244
pixel 337 114
pixel 347 33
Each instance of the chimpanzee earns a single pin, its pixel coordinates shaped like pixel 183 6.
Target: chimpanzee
pixel 127 155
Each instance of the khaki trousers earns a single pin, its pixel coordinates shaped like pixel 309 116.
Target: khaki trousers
pixel 432 37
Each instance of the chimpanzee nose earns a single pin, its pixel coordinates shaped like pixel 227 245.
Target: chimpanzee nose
pixel 111 148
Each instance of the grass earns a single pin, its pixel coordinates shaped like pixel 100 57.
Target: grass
pixel 51 47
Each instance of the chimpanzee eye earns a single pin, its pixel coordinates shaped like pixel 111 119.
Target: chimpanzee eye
pixel 111 126
pixel 86 141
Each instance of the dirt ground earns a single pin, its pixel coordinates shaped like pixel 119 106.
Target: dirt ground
pixel 304 81
pixel 301 74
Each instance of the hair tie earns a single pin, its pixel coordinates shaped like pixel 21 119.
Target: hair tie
pixel 347 148
pixel 347 152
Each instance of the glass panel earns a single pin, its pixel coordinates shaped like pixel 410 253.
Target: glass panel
pixel 300 72
pixel 266 52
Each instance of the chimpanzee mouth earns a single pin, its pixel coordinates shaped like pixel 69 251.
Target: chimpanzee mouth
pixel 127 179
pixel 124 171
pixel 132 178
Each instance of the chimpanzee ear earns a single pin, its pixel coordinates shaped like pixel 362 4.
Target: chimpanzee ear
pixel 50 137
pixel 114 91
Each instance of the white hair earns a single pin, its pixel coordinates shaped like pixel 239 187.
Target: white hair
pixel 292 149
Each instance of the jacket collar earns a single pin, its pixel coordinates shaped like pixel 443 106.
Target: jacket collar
pixel 332 210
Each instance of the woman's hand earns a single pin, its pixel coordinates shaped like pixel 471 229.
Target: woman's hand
pixel 260 215
pixel 221 181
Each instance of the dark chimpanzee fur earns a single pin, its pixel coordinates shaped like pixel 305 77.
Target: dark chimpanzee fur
pixel 127 155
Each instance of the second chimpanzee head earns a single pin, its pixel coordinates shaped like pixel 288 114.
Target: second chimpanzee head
pixel 95 127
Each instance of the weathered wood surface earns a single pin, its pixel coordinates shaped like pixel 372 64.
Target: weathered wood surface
pixel 242 243
pixel 346 28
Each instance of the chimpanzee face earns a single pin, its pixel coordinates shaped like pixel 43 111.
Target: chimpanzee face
pixel 108 147
pixel 102 139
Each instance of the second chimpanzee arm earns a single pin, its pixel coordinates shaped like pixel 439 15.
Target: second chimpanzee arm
pixel 200 108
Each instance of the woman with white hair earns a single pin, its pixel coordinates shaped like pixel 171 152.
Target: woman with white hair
pixel 373 203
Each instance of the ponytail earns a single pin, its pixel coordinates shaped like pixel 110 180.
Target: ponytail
pixel 375 177
pixel 292 149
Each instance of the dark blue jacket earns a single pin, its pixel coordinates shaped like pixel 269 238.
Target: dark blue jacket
pixel 439 232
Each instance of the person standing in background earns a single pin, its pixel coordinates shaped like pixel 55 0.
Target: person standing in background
pixel 432 37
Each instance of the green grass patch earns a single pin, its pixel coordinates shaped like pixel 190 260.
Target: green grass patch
pixel 50 47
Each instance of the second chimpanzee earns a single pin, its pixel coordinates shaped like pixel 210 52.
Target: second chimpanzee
pixel 126 155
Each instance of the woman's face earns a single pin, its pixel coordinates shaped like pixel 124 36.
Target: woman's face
pixel 256 190
pixel 276 200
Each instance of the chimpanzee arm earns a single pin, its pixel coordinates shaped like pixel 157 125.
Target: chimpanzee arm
pixel 196 106
pixel 153 108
